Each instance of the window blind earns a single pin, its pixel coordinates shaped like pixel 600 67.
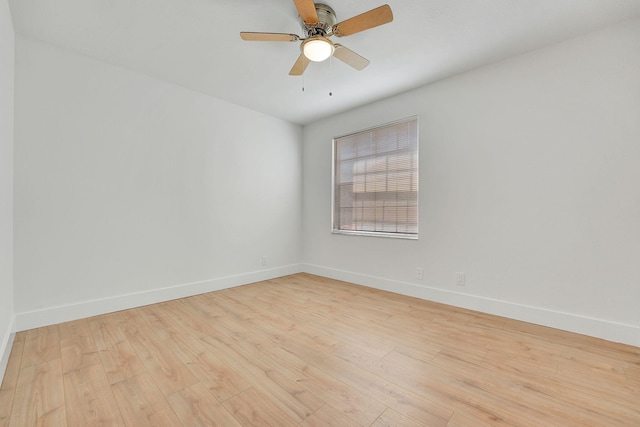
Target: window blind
pixel 376 180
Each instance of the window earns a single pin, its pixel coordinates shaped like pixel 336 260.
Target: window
pixel 375 181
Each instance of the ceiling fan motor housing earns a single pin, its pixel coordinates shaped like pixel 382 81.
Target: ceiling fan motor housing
pixel 326 20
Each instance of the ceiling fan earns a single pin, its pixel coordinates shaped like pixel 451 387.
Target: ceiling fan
pixel 318 24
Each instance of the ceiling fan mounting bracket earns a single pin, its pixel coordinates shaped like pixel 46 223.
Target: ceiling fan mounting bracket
pixel 324 26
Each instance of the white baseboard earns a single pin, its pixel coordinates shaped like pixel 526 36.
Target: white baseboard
pixel 58 314
pixel 608 330
pixel 599 328
pixel 5 347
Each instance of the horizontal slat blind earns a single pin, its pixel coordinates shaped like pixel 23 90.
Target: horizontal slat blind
pixel 376 180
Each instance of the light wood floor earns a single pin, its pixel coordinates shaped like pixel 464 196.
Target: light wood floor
pixel 308 351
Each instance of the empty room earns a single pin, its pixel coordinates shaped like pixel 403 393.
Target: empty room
pixel 351 213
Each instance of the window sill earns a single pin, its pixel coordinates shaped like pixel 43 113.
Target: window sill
pixel 376 234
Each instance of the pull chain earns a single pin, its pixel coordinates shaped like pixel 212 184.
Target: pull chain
pixel 303 59
pixel 330 73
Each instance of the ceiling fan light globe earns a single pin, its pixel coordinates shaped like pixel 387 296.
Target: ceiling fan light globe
pixel 318 49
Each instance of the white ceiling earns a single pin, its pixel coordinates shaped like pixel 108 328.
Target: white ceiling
pixel 196 43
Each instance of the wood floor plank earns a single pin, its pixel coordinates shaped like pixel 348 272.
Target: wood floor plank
pixel 259 379
pixel 39 395
pixel 170 330
pixel 140 401
pixel 118 357
pixel 252 408
pixel 195 406
pixel 328 416
pixel 421 408
pixel 77 345
pixel 633 376
pixel 220 379
pixel 463 380
pixel 165 418
pixel 167 369
pixel 304 350
pixel 277 369
pixel 41 345
pixel 391 418
pixel 511 390
pixel 468 416
pixel 350 401
pixel 588 368
pixel 120 361
pixel 193 317
pixel 88 392
pixel 525 361
pixel 105 330
pixel 10 380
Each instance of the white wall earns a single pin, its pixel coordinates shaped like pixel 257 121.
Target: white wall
pixel 530 185
pixel 6 182
pixel 130 190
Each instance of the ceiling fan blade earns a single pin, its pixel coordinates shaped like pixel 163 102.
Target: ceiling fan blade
pixel 364 21
pixel 269 37
pixel 307 11
pixel 300 65
pixel 349 57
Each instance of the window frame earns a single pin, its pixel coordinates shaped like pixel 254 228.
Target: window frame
pixel 394 235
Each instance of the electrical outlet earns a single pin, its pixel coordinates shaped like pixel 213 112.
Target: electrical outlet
pixel 419 273
pixel 460 279
pixel 264 260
